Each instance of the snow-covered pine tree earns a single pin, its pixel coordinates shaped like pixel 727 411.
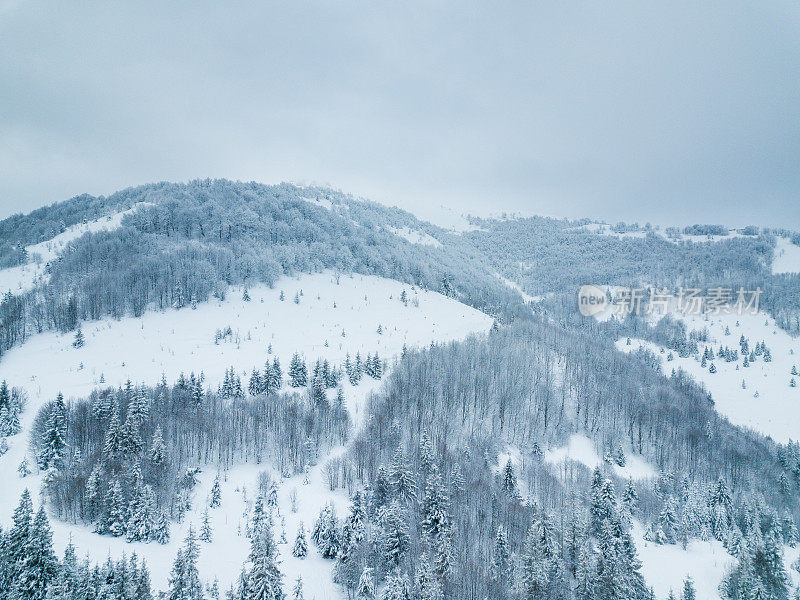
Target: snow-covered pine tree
pixel 158 450
pixel 16 540
pixel 401 480
pixel 394 534
pixel 39 564
pixel 264 579
pixel 298 374
pixel 130 439
pixel 366 585
pixel 297 590
pixel 53 440
pixel 206 532
pixel 79 340
pixel 215 498
pixel 326 534
pixel 115 511
pixel 275 376
pixel 436 519
pixel 501 567
pixel 508 480
pixel 426 583
pixel 160 528
pixel 688 590
pixel 184 581
pixel 300 547
pixel 112 443
pixel 630 499
pixel 255 386
pixel 5 395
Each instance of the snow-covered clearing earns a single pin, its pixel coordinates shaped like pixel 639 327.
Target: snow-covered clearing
pixel 580 449
pixel 322 202
pixel 516 287
pixel 665 566
pixel 767 402
pixel 22 278
pixel 787 257
pixel 415 237
pixel 443 217
pixel 334 315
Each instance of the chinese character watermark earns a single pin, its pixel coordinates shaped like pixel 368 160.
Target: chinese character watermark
pixel 596 301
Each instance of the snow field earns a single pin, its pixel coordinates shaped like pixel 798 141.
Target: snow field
pixel 415 237
pixel 767 403
pixel 175 341
pixel 787 257
pixel 581 449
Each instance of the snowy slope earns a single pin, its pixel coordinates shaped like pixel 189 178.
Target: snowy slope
pixel 415 237
pixel 335 315
pixel 665 566
pixel 22 278
pixel 580 449
pixel 786 258
pixel 767 403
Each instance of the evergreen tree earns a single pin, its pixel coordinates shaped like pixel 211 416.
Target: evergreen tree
pixel 298 374
pixel 297 590
pixel 264 580
pixel 5 394
pixel 300 548
pixel 184 581
pixel 15 541
pixel 115 509
pixel 630 499
pixel 39 564
pixel 255 386
pixel 400 478
pixel 79 340
pixel 435 507
pixel 501 567
pixel 397 588
pixel 395 536
pixel 366 585
pixel 688 590
pixel 130 439
pixel 326 532
pixel 426 584
pixel 53 439
pixel 160 528
pixel 112 443
pixel 216 494
pixel 509 480
pixel 206 533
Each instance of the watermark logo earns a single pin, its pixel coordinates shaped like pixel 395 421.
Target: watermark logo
pixel 592 301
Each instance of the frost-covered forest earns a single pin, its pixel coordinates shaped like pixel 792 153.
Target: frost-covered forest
pixel 522 452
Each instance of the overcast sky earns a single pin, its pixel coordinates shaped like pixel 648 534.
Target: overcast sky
pixel 685 113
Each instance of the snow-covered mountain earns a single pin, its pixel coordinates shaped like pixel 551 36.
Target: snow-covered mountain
pixel 235 359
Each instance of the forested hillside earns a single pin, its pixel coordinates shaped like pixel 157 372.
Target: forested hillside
pixel 433 451
pixel 188 242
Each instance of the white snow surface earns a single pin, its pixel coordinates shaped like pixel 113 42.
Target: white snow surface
pixel 787 257
pixel 172 341
pixel 580 449
pixel 415 237
pixel 666 566
pixel 768 404
pixel 706 561
pixel 24 277
pixel 516 287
